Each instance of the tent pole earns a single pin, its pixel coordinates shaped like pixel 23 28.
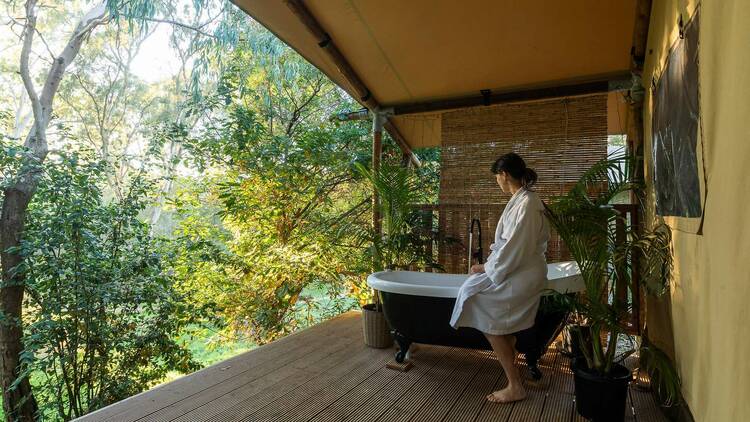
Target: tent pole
pixel 377 151
pixel 364 114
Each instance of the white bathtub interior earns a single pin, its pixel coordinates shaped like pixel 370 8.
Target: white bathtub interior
pixel 563 277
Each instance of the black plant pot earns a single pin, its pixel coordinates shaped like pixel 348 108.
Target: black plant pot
pixel 601 398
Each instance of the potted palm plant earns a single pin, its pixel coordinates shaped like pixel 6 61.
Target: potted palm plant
pixel 400 244
pixel 585 219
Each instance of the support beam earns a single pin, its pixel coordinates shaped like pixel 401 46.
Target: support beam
pixel 388 125
pixel 616 82
pixel 640 36
pixel 396 135
pixel 326 43
pixel 362 114
pixel 363 94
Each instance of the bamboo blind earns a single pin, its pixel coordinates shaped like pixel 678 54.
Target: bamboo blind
pixel 560 139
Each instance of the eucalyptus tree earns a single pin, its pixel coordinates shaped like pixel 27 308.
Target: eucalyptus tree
pixel 103 103
pixel 18 400
pixel 284 177
pixel 22 181
pixel 176 117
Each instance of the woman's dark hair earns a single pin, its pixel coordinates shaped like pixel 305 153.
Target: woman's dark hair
pixel 513 164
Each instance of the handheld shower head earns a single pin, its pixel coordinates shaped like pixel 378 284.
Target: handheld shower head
pixel 479 254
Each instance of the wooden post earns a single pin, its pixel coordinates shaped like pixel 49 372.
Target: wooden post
pixel 638 53
pixel 388 126
pixel 377 151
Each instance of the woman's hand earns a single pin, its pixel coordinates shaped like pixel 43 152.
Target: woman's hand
pixel 477 268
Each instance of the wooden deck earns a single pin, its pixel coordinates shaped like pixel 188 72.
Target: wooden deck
pixel 326 373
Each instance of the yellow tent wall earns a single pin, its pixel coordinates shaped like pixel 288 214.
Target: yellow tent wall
pixel 711 292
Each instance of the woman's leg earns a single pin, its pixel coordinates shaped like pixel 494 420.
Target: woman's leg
pixel 506 354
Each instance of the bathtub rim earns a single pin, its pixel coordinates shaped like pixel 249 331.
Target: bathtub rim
pixel 572 283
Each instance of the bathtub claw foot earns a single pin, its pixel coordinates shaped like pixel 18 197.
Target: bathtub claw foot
pixel 403 346
pixel 535 373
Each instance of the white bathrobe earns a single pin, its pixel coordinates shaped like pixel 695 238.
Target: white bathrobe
pixel 504 299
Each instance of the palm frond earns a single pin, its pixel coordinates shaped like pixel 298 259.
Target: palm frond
pixel 664 377
pixel 586 222
pixel 402 240
pixel 606 179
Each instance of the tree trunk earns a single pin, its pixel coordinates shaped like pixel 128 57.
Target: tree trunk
pixel 18 400
pixel 174 151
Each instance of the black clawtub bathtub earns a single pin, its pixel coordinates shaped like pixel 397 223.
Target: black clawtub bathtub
pixel 418 307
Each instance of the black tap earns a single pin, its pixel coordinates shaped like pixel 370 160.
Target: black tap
pixel 479 253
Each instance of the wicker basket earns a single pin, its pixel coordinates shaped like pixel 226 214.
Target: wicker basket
pixel 375 327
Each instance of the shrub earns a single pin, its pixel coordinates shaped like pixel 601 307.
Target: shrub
pixel 102 313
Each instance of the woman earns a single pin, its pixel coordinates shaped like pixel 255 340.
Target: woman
pixel 501 297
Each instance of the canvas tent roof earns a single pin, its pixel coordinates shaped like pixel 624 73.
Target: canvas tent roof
pixel 411 52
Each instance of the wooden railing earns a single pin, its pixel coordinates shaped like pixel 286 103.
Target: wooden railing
pixel 454 221
pixel 429 216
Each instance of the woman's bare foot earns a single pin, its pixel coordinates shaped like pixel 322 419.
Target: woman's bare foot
pixel 507 395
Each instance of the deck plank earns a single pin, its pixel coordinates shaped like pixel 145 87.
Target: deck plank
pixel 531 408
pixel 410 402
pixel 244 399
pixel 496 412
pixel 247 384
pixel 332 391
pixel 473 398
pixel 468 363
pixel 645 406
pixel 332 372
pixel 385 398
pixel 562 375
pixel 629 408
pixel 264 358
pixel 326 374
pixel 354 399
pixel 557 407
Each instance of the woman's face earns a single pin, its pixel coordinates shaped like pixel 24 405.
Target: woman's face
pixel 502 181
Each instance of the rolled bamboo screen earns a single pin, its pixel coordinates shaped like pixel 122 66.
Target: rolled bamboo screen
pixel 560 139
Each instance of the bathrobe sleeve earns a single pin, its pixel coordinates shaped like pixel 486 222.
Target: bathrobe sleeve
pixel 519 246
